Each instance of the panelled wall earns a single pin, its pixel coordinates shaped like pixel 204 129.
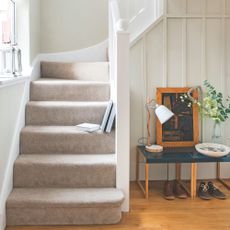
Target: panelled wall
pixel 190 44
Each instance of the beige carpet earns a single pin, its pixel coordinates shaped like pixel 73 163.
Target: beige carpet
pixel 64 176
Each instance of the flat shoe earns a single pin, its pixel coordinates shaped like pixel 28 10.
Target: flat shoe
pixel 215 192
pixel 203 191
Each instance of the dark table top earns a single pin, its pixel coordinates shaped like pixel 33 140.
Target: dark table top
pixel 179 155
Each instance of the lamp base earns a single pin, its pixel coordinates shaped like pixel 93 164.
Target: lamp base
pixel 154 148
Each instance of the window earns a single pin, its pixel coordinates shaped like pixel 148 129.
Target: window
pixel 5 21
pixel 10 54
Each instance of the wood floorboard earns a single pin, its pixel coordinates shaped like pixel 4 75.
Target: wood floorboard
pixel 157 213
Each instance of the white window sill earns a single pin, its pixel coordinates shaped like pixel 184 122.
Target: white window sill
pixel 8 81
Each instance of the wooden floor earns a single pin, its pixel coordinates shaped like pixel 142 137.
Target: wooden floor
pixel 159 214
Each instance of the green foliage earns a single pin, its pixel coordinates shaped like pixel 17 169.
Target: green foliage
pixel 212 106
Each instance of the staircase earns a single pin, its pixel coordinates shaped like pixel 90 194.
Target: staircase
pixel 64 176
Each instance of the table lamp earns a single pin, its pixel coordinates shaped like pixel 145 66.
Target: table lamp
pixel 163 114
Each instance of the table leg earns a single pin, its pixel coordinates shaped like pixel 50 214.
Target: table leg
pixel 193 179
pixel 218 176
pixel 178 178
pixel 178 171
pixel 218 170
pixel 146 180
pixel 137 165
pixel 145 189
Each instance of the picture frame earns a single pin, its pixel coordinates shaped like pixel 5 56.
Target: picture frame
pixel 182 130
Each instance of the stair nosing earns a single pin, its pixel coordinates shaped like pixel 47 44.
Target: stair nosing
pixel 72 159
pixel 31 201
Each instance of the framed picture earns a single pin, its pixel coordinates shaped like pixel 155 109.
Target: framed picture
pixel 182 130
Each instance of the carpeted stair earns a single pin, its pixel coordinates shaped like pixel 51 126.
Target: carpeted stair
pixel 64 176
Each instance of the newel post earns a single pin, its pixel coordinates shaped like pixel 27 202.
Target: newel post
pixel 123 115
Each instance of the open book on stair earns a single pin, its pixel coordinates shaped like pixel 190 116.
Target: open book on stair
pixel 106 124
pixel 88 127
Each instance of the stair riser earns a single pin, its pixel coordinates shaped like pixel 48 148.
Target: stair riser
pixel 84 71
pixel 64 176
pixel 63 216
pixel 70 143
pixel 68 92
pixel 64 115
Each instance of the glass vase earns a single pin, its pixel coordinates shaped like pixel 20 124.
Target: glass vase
pixel 216 133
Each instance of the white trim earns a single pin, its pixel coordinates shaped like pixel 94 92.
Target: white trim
pixel 203 60
pixel 123 117
pixel 119 75
pixel 184 53
pixel 170 16
pixel 95 53
pixel 7 184
pixel 146 14
pixel 223 56
pixel 9 81
pixel 145 84
pixel 165 46
pixel 133 41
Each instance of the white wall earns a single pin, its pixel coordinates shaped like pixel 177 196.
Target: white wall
pixel 12 116
pixel 59 25
pixel 35 43
pixel 191 44
pixel 72 24
pixel 23 31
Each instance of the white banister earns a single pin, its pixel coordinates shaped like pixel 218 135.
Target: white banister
pixel 115 12
pixel 141 14
pixel 138 17
pixel 123 115
pixel 119 23
pixel 119 75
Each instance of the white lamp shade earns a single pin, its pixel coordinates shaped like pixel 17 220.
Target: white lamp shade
pixel 163 113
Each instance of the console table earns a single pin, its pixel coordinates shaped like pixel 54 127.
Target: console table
pixel 176 155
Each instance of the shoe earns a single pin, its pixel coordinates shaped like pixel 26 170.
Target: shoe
pixel 203 191
pixel 215 192
pixel 179 191
pixel 168 190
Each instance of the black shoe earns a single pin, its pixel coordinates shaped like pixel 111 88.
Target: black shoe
pixel 203 191
pixel 215 192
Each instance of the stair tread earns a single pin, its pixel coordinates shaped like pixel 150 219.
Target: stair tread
pixel 64 112
pixel 61 130
pixel 64 197
pixel 65 140
pixel 69 90
pixel 52 81
pixel 66 159
pixel 65 171
pixel 86 104
pixel 89 71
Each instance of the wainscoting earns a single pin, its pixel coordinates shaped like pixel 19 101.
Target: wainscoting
pixel 190 44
